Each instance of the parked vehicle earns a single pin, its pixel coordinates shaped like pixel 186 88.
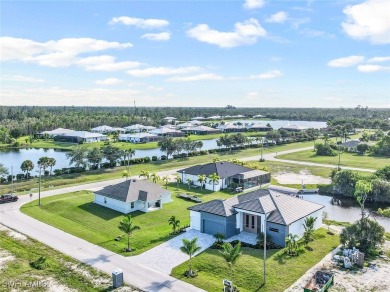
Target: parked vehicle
pixel 320 282
pixel 8 198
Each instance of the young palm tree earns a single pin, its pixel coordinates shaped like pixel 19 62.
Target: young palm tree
pixel 231 254
pixel 174 222
pixel 145 174
pixel 291 243
pixel 219 237
pixel 178 180
pixel 189 181
pixel 50 163
pixel 126 226
pixel 165 179
pixel 27 166
pixel 190 247
pixel 214 179
pixel 215 159
pixel 155 178
pixel 126 174
pixel 202 180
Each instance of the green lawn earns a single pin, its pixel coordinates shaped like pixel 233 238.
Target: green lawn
pixel 76 214
pixel 282 270
pixel 64 270
pixel 347 159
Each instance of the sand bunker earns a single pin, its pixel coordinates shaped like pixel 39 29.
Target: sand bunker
pixel 290 178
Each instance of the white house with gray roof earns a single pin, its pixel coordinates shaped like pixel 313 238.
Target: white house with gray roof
pixel 133 195
pixel 284 214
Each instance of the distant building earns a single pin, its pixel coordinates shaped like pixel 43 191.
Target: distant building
pixel 80 137
pixel 133 195
pixel 229 127
pixel 137 128
pixel 258 127
pixel 169 119
pixel 351 146
pixel 107 129
pixel 167 132
pixel 294 128
pixel 198 119
pixel 258 116
pixel 138 138
pixel 200 130
pixel 55 132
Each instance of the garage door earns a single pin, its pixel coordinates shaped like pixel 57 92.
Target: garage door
pixel 213 227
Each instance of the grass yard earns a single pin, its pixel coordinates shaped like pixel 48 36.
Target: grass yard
pixel 76 214
pixel 62 273
pixel 347 159
pixel 282 270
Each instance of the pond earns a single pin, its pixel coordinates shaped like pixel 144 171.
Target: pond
pixel 348 210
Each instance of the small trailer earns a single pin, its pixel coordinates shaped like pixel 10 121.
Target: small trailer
pixel 320 282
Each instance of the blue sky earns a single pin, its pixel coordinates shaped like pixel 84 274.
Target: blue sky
pixel 196 53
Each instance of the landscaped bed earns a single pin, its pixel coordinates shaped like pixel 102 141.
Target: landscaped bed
pixel 282 270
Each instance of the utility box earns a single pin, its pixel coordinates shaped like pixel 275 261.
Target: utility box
pixel 117 278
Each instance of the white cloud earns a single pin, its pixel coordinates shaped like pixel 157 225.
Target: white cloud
pixel 316 33
pixel 378 59
pixel 253 4
pixel 109 81
pixel 162 71
pixel 199 77
pixel 369 20
pixel 60 53
pixel 21 78
pixel 105 63
pixel 245 33
pixel 278 17
pixel 346 61
pixel 163 36
pixel 368 68
pixel 139 22
pixel 268 75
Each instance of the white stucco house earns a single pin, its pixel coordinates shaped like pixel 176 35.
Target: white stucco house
pixel 282 213
pixel 133 195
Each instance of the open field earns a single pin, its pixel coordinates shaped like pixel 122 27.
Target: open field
pixel 347 159
pixel 282 270
pixel 76 214
pixel 62 273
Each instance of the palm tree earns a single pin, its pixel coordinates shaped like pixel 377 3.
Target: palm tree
pixel 214 179
pixel 145 174
pixel 219 237
pixel 126 226
pixel 326 138
pixel 43 163
pixel 3 170
pixel 202 180
pixel 50 163
pixel 174 222
pixel 309 230
pixel 129 153
pixel 155 178
pixel 165 179
pixel 231 254
pixel 189 181
pixel 178 180
pixel 27 166
pixel 126 174
pixel 215 159
pixel 190 247
pixel 291 243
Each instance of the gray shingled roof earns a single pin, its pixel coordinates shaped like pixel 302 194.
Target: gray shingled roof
pixel 223 169
pixel 133 190
pixel 352 143
pixel 283 209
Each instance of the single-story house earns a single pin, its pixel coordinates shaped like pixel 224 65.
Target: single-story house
pixel 230 127
pixel 258 127
pixel 214 118
pixel 294 128
pixel 80 137
pixel 284 214
pixel 200 130
pixel 184 125
pixel 258 116
pixel 198 119
pixel 138 137
pixel 229 173
pixel 166 131
pixel 133 195
pixel 107 129
pixel 351 146
pixel 137 128
pixel 55 132
pixel 169 119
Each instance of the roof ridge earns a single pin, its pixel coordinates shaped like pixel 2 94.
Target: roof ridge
pixel 276 205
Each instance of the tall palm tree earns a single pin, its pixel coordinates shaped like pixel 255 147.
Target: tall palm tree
pixel 190 247
pixel 178 180
pixel 155 178
pixel 202 180
pixel 189 181
pixel 145 174
pixel 43 163
pixel 129 153
pixel 126 173
pixel 50 163
pixel 126 226
pixel 174 222
pixel 27 166
pixel 231 254
pixel 214 179
pixel 165 179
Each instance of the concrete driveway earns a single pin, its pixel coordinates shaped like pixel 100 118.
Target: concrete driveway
pixel 167 255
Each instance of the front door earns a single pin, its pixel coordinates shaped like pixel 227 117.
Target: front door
pixel 250 223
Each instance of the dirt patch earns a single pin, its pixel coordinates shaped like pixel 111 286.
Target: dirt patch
pixel 12 233
pixel 290 178
pixel 5 257
pixel 97 281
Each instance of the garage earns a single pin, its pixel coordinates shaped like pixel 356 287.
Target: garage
pixel 212 227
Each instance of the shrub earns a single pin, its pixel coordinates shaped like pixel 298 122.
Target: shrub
pixel 38 264
pixel 325 150
pixel 154 158
pixel 163 157
pixel 146 159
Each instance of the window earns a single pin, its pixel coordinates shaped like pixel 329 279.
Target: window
pixel 247 220
pixel 253 222
pixel 273 229
pixel 132 205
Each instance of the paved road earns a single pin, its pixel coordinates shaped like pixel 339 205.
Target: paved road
pixel 135 273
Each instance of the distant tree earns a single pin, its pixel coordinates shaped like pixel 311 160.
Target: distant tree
pixel 43 163
pixel 190 247
pixel 3 170
pixel 127 226
pixel 26 167
pixel 155 178
pixel 112 154
pixel 50 163
pixel 384 173
pixel 167 145
pixel 189 182
pixel 165 179
pixel 78 156
pixel 199 145
pixel 126 173
pixel 214 179
pixel 145 174
pixel 95 157
pixel 178 180
pixel 202 180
